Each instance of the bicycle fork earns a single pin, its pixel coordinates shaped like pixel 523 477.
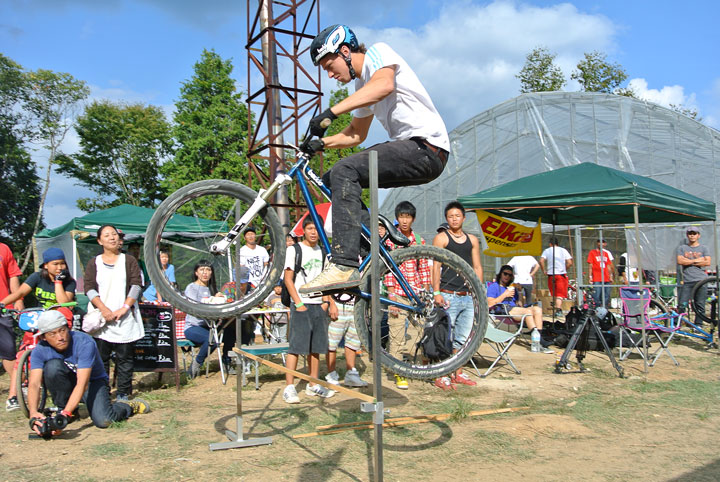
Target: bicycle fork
pixel 261 201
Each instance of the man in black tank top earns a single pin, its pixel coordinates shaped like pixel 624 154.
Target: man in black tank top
pixel 450 291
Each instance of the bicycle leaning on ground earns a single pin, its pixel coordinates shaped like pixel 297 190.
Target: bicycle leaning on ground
pixel 27 321
pixel 229 203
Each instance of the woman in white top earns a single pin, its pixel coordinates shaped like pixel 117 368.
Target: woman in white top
pixel 112 283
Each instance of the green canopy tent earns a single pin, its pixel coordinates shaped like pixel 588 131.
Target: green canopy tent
pixel 132 220
pixel 588 193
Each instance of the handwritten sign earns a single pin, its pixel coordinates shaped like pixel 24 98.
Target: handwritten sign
pixel 156 351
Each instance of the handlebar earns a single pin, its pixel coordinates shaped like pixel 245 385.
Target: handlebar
pixel 12 311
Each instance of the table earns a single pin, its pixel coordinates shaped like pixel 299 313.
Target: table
pixel 273 345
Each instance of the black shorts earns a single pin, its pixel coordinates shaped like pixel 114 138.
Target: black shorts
pixel 7 339
pixel 308 330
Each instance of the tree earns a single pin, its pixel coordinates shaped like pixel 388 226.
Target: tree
pixel 540 74
pixel 121 149
pixel 690 112
pixel 210 127
pixel 51 100
pixel 19 182
pixel 596 74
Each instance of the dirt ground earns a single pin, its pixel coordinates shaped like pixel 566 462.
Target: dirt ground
pixel 579 426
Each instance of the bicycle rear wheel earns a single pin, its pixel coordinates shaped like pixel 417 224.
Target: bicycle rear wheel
pixel 23 375
pixel 710 302
pixel 402 355
pixel 188 222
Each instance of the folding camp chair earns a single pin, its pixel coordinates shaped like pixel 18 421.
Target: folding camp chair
pixel 501 340
pixel 635 317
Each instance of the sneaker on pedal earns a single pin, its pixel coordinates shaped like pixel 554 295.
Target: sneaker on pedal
pixel 333 378
pixel 444 383
pixel 318 391
pixel 333 277
pixel 352 379
pixel 401 382
pixel 12 404
pixel 463 379
pixel 138 405
pixel 290 394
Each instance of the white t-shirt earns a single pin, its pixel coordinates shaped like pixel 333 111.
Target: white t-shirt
pixel 311 263
pixel 522 265
pixel 561 254
pixel 254 260
pixel 408 111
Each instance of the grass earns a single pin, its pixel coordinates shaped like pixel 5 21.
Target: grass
pixel 109 450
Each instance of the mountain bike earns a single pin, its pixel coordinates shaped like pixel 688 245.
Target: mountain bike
pixel 237 207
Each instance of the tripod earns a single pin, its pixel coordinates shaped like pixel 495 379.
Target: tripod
pixel 583 329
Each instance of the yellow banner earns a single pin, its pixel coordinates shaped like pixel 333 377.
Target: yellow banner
pixel 505 238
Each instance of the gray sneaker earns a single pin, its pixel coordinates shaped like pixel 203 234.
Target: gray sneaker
pixel 318 391
pixel 352 379
pixel 290 394
pixel 333 378
pixel 333 277
pixel 194 369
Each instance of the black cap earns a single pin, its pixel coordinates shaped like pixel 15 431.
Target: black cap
pixel 443 227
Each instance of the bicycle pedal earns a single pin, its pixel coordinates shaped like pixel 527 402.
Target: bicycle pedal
pixel 315 294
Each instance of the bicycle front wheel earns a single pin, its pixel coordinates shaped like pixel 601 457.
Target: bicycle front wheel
pixel 186 225
pixel 401 352
pixel 21 382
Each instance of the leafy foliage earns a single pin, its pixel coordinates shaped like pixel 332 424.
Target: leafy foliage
pixel 210 128
pixel 596 74
pixel 121 148
pixel 540 74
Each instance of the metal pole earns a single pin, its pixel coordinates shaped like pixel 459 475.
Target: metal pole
pixel 636 215
pixel 378 417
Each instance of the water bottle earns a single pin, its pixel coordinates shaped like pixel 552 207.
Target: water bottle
pixel 535 340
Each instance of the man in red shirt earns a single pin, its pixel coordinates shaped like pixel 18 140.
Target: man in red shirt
pixel 602 269
pixel 9 283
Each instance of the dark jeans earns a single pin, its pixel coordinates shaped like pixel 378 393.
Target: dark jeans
pixel 60 380
pixel 199 335
pixel 599 288
pixel 124 362
pixel 527 293
pixel 685 292
pixel 400 163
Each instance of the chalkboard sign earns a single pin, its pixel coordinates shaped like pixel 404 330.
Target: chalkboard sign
pixel 156 351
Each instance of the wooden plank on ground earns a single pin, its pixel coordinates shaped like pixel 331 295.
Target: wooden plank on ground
pixel 337 388
pixel 397 422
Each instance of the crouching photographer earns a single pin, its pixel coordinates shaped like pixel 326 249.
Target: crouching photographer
pixel 69 364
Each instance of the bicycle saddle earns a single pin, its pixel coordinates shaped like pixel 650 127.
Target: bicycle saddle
pixel 393 233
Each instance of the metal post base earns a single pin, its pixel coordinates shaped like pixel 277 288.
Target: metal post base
pixel 237 441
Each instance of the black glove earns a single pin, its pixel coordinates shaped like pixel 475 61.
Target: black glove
pixel 319 123
pixel 312 146
pixel 62 275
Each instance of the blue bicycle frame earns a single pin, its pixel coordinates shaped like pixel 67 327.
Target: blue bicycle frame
pixel 302 173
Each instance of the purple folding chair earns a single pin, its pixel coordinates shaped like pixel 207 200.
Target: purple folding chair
pixel 635 317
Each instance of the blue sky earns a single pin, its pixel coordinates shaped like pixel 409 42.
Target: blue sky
pixel 465 52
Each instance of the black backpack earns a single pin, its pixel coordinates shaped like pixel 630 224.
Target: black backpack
pixel 436 342
pixel 285 297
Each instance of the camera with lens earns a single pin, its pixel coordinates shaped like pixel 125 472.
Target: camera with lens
pixel 53 421
pixel 62 275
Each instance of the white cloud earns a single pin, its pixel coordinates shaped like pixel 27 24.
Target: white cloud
pixel 468 57
pixel 669 94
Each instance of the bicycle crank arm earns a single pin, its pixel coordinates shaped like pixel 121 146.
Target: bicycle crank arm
pixel 261 201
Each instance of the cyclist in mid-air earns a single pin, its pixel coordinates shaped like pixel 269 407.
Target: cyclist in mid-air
pixel 386 88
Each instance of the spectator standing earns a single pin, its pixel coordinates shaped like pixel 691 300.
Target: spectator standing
pixel 51 285
pixel 112 283
pixel 693 259
pixel 401 333
pixel 344 327
pixel 524 269
pixel 9 283
pixel 279 320
pixel 601 269
pixel 309 317
pixel 450 291
pixel 254 258
pixel 554 262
